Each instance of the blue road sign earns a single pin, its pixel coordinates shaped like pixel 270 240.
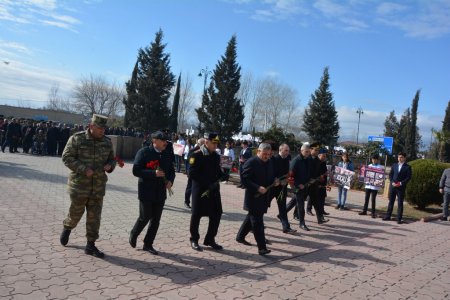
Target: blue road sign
pixel 387 141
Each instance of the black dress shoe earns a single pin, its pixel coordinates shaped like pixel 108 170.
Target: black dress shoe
pixel 400 222
pixel 304 227
pixel 309 213
pixel 289 230
pixel 264 251
pixel 64 238
pixel 268 242
pixel 325 213
pixel 196 246
pixel 443 218
pixel 363 213
pixel 150 249
pixel 323 221
pixel 374 216
pixel 213 245
pixel 338 206
pixel 92 250
pixel 132 240
pixel 243 241
pixel 187 205
pixel 386 218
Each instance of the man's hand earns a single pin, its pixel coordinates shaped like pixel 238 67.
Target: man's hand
pixel 160 173
pixel 89 172
pixel 301 186
pixel 168 185
pixel 262 190
pixel 107 167
pixel 441 191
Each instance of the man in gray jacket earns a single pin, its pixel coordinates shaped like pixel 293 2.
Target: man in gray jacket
pixel 444 188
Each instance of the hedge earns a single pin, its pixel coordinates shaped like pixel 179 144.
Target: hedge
pixel 423 189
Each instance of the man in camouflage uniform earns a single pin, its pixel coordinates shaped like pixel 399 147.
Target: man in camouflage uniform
pixel 88 154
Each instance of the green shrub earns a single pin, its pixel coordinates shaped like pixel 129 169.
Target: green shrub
pixel 423 189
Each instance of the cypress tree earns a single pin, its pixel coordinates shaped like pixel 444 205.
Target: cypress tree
pixel 176 102
pixel 149 88
pixel 413 131
pixel 404 135
pixel 221 111
pixel 320 118
pixel 446 132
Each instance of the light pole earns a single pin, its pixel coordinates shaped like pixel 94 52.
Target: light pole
pixel 205 73
pixel 359 112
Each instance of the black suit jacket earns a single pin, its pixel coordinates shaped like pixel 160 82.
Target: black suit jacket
pixel 403 176
pixel 257 173
pixel 150 187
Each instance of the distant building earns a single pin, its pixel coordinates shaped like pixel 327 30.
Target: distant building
pixel 42 115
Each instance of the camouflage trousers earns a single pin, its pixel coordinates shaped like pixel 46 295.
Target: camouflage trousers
pixel 93 206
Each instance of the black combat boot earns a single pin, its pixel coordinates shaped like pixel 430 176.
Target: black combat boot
pixel 64 238
pixel 92 250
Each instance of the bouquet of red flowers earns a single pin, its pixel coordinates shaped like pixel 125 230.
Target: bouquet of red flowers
pixel 154 165
pixel 119 161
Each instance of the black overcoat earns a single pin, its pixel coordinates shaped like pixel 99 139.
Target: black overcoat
pixel 257 173
pixel 150 187
pixel 204 170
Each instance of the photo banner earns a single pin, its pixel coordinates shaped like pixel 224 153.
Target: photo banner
pixel 178 149
pixel 226 162
pixel 343 177
pixel 372 176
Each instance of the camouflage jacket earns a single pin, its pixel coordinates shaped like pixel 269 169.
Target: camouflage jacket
pixel 82 152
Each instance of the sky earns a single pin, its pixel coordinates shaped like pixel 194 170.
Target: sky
pixel 379 53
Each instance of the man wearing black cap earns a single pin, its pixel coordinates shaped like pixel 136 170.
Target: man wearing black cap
pixel 154 167
pixel 206 174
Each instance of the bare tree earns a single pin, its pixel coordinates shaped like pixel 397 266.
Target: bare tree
pixel 185 110
pixel 96 95
pixel 56 101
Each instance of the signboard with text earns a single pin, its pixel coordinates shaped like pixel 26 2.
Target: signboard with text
pixel 388 142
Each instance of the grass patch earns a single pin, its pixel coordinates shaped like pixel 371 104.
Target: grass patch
pixel 412 212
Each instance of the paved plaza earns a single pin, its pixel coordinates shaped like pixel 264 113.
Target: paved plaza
pixel 351 257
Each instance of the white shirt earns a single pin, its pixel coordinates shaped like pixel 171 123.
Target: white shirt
pixel 229 152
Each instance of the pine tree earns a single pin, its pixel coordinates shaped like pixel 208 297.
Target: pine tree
pixel 391 129
pixel 148 90
pixel 446 132
pixel 176 102
pixel 413 146
pixel 404 131
pixel 221 111
pixel 320 117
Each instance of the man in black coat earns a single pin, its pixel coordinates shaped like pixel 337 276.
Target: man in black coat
pixel 399 176
pixel 321 178
pixel 257 175
pixel 188 191
pixel 281 168
pixel 206 174
pixel 300 175
pixel 154 167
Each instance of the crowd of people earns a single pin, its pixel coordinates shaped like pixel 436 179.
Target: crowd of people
pixel 46 138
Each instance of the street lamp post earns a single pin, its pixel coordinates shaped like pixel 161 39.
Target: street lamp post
pixel 205 73
pixel 359 112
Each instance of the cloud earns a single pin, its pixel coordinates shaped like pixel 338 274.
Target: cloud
pixel 45 12
pixel 417 19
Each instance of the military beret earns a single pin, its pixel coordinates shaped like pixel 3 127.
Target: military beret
pixel 99 120
pixel 213 137
pixel 159 135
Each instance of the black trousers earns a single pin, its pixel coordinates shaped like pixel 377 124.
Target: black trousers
pixel 188 192
pixel 398 193
pixel 148 212
pixel 298 200
pixel 213 228
pixel 282 210
pixel 373 195
pixel 255 222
